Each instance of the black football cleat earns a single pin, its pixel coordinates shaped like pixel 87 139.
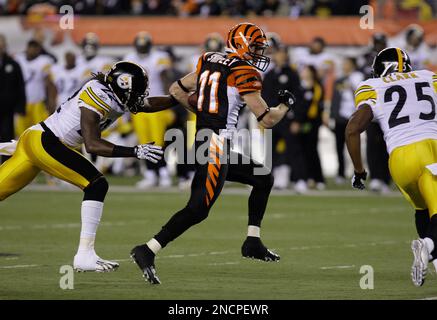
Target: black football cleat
pixel 255 249
pixel 145 259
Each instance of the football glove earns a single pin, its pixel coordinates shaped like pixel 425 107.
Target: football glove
pixel 287 98
pixel 149 152
pixel 357 180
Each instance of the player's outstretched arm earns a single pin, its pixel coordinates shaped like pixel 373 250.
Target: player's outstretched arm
pixel 358 122
pixel 269 117
pixel 158 103
pixel 182 89
pixel 94 144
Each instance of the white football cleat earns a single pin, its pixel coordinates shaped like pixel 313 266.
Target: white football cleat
pixel 420 262
pixel 90 261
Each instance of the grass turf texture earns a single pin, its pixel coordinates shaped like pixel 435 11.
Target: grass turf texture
pixel 311 233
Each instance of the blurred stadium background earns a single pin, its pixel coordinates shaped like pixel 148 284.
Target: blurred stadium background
pixel 179 30
pixel 325 34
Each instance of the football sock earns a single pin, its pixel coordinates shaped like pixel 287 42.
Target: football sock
pixel 91 214
pixel 258 201
pixel 154 245
pixel 422 222
pixel 253 231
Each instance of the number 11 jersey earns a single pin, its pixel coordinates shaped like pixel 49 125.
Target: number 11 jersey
pixel 404 104
pixel 222 80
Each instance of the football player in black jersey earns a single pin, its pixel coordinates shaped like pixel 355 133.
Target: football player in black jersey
pixel 224 82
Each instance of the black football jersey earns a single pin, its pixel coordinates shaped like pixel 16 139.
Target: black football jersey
pixel 222 80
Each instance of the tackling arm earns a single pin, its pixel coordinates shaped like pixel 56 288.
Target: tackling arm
pixel 356 125
pixel 91 133
pixel 90 128
pixel 159 103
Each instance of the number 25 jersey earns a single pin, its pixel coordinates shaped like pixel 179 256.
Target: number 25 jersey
pixel 222 80
pixel 404 104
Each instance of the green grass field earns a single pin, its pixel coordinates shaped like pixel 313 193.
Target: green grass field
pixel 323 241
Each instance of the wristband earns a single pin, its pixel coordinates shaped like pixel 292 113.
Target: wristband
pixel 124 152
pixel 182 86
pixel 263 115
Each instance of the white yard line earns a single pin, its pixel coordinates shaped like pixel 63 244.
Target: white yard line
pixel 337 267
pixel 20 266
pixel 223 263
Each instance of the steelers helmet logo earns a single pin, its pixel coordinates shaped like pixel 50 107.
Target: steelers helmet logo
pixel 124 81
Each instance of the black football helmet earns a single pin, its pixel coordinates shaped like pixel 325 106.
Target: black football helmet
pixel 130 83
pixel 214 43
pixel 390 60
pixel 143 42
pixel 90 45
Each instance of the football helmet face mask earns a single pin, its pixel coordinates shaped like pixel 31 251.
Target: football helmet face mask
pixel 390 60
pixel 214 43
pixel 143 43
pixel 90 45
pixel 129 82
pixel 248 42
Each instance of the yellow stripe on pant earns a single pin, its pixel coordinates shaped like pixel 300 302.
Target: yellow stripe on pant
pixel 32 156
pixel 408 170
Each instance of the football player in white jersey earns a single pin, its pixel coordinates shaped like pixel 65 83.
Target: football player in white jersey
pixel 39 86
pixel 152 127
pixel 404 103
pixel 50 146
pixel 68 77
pixel 90 60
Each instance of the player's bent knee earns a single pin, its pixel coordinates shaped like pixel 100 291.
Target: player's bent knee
pixel 97 190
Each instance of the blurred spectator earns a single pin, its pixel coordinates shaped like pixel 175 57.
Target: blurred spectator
pixel 282 76
pixel 343 106
pixel 90 59
pixel 68 77
pixel 376 151
pixel 213 43
pixel 268 8
pixel 308 122
pixel 157 7
pixel 314 55
pixel 40 90
pixel 378 41
pixel 292 8
pixel 210 8
pixel 416 47
pixel 39 35
pixel 184 171
pixel 12 93
pixel 275 44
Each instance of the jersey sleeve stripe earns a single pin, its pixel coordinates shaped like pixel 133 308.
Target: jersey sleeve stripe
pixel 242 74
pixel 246 81
pixel 85 98
pixel 365 96
pixel 243 68
pixel 365 87
pixel 102 103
